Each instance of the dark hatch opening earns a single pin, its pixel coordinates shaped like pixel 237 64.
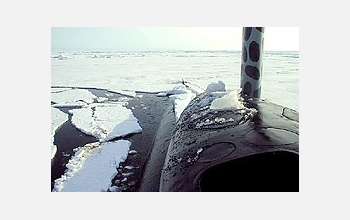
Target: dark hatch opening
pixel 265 172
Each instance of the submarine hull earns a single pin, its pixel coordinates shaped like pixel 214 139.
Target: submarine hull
pixel 251 149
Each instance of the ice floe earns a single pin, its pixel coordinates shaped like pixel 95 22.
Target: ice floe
pixel 105 121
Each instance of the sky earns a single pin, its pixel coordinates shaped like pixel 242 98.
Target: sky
pixel 167 38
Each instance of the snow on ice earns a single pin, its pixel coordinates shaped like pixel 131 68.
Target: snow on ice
pixel 92 167
pixel 71 97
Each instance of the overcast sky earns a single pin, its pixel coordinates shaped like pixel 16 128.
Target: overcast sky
pixel 167 38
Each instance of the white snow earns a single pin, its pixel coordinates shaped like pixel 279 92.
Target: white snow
pixel 71 97
pixel 92 167
pixel 105 121
pixel 228 101
pixel 57 119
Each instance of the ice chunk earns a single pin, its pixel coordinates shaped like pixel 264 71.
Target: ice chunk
pixel 228 101
pixel 215 87
pixel 105 121
pixel 179 96
pixel 180 102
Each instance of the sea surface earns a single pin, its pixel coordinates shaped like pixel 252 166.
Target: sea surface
pixel 155 71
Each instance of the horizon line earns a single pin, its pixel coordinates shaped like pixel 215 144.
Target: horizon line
pixel 156 50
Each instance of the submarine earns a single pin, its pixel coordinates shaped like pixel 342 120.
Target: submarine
pixel 251 148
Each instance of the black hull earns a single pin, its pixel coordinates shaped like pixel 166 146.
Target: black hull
pixel 231 150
